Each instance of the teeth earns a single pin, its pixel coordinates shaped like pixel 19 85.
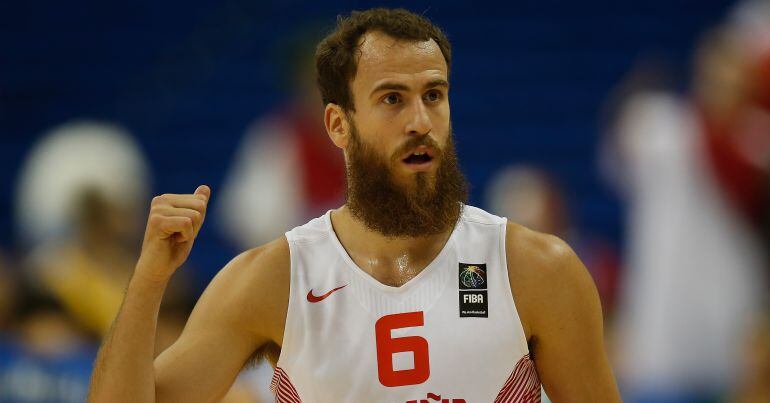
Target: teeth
pixel 419 153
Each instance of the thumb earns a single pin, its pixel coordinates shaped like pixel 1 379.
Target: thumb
pixel 203 192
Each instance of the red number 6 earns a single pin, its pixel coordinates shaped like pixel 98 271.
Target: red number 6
pixel 387 346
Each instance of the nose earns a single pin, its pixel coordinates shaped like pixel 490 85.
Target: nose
pixel 419 123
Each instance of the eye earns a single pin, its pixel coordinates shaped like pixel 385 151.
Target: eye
pixel 392 99
pixel 432 95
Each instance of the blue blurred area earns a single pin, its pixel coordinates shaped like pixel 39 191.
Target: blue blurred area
pixel 35 377
pixel 528 82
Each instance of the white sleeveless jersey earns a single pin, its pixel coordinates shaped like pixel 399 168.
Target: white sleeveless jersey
pixel 451 334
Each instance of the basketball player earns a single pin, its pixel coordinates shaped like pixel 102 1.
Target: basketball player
pixel 403 294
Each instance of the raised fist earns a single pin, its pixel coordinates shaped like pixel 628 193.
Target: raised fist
pixel 172 226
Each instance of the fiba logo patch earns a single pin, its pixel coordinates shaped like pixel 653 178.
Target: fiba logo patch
pixel 473 276
pixel 472 284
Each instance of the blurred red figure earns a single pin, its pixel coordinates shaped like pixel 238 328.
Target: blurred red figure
pixel 732 94
pixel 285 170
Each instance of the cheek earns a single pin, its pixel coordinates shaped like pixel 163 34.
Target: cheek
pixel 377 145
pixel 383 141
pixel 393 155
pixel 441 119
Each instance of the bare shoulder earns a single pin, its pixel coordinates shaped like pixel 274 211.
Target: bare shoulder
pixel 271 259
pixel 253 288
pixel 561 315
pixel 242 310
pixel 546 276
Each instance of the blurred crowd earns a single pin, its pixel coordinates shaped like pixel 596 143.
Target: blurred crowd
pixel 685 297
pixel 692 168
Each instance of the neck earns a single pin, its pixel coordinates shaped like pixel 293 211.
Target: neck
pixel 392 261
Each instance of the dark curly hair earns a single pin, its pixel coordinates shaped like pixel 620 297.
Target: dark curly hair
pixel 337 55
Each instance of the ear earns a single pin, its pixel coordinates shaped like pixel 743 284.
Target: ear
pixel 337 125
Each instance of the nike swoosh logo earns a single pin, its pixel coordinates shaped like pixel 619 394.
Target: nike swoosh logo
pixel 313 298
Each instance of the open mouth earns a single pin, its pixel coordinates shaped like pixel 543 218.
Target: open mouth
pixel 418 157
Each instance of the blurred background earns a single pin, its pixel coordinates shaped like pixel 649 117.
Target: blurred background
pixel 637 131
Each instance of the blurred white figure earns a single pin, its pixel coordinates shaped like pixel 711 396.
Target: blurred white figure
pixel 69 159
pixel 80 203
pixel 694 269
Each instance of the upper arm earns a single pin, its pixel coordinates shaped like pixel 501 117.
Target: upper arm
pixel 242 309
pixel 563 317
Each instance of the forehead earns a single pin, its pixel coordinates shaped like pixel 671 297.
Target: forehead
pixel 384 58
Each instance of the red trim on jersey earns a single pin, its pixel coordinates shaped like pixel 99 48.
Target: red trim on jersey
pixel 523 386
pixel 282 388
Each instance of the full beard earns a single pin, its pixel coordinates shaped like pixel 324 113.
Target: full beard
pixel 425 206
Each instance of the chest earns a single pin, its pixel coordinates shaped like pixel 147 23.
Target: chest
pixel 441 338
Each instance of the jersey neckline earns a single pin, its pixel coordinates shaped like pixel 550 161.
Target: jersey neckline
pixel 430 268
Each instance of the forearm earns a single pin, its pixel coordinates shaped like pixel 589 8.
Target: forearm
pixel 123 370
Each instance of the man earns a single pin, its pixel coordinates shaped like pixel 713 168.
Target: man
pixel 402 294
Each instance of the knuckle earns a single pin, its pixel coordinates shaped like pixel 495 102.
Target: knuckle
pixel 157 200
pixel 200 205
pixel 189 227
pixel 155 219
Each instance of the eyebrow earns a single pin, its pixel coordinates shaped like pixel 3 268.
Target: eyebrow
pixel 439 82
